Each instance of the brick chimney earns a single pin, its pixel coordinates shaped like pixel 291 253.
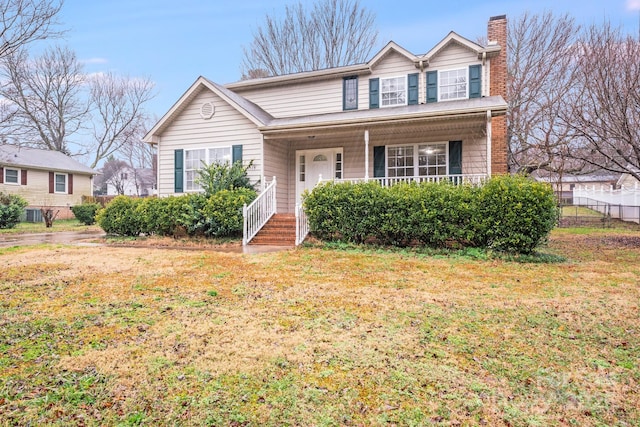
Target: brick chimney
pixel 497 34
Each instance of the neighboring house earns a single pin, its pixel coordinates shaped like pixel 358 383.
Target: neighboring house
pixel 131 182
pixel 44 179
pixel 628 181
pixel 397 117
pixel 564 184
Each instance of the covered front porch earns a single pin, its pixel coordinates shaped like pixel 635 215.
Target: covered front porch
pixel 453 149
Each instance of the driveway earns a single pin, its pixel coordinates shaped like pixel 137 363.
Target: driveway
pixel 66 237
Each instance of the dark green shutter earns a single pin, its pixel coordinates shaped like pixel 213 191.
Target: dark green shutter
pixel 379 162
pixel 412 82
pixel 455 157
pixel 374 93
pixel 475 85
pixel 178 167
pixel 432 86
pixel 236 153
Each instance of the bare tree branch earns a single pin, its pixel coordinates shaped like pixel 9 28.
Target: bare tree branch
pixel 332 34
pixel 25 21
pixel 46 95
pixel 118 115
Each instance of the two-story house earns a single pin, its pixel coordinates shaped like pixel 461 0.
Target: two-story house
pixel 399 116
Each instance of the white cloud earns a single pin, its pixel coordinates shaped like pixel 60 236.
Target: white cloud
pixel 104 60
pixel 633 4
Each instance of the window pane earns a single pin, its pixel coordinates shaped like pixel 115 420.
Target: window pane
pixel 11 176
pixel 61 183
pixel 453 84
pixel 350 93
pixel 393 91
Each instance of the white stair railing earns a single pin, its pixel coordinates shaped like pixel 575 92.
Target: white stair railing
pixel 256 214
pixel 302 225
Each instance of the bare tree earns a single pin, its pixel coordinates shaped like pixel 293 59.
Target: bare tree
pixel 118 115
pixel 605 110
pixel 45 97
pixel 541 68
pixel 333 33
pixel 25 21
pixel 115 172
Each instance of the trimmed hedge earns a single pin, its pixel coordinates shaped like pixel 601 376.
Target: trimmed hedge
pixel 194 214
pixel 11 208
pixel 508 213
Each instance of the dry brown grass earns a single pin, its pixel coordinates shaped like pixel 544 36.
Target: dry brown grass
pixel 109 335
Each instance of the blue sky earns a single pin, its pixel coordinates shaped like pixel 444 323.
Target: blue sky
pixel 174 42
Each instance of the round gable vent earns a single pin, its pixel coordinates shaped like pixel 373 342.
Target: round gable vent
pixel 207 110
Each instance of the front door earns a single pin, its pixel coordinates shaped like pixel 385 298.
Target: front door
pixel 313 164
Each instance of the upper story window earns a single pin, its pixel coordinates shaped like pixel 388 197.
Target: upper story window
pixel 393 91
pixel 194 159
pixel 350 93
pixel 11 176
pixel 453 84
pixel 61 183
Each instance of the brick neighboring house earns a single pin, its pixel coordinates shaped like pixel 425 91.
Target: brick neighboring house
pixel 44 178
pixel 398 117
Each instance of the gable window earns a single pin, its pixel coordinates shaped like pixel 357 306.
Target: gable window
pixel 350 93
pixel 417 160
pixel 11 176
pixel 61 183
pixel 393 91
pixel 453 84
pixel 194 159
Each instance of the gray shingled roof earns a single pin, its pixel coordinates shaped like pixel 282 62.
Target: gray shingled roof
pixel 248 106
pixel 423 110
pixel 34 158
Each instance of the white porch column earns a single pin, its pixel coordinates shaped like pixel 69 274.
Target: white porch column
pixel 489 143
pixel 366 155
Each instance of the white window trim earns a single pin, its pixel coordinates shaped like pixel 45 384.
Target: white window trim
pixel 19 172
pixel 416 154
pixel 55 183
pixel 406 91
pixel 466 92
pixel 207 160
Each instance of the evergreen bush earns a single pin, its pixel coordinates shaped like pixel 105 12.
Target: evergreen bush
pixel 11 208
pixel 86 212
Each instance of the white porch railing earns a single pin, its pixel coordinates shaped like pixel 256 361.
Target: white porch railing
pixel 473 179
pixel 302 224
pixel 256 214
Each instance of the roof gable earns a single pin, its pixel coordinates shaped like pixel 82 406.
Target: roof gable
pixel 35 158
pixel 391 47
pixel 251 111
pixel 455 38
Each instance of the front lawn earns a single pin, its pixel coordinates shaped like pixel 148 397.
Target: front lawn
pixel 313 336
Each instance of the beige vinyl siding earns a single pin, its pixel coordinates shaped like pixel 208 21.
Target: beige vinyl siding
pixel 451 57
pixel 189 131
pixel 298 99
pixel 276 163
pixel 36 192
pixel 392 65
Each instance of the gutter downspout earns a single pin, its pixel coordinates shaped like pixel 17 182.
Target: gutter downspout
pixel 366 155
pixel 489 143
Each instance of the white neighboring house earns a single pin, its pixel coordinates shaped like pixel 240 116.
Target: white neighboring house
pixel 44 178
pixel 132 182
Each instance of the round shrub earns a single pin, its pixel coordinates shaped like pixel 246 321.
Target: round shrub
pixel 222 213
pixel 11 208
pixel 120 218
pixel 86 212
pixel 514 213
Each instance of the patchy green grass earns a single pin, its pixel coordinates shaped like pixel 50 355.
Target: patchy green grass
pixel 322 336
pixel 58 225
